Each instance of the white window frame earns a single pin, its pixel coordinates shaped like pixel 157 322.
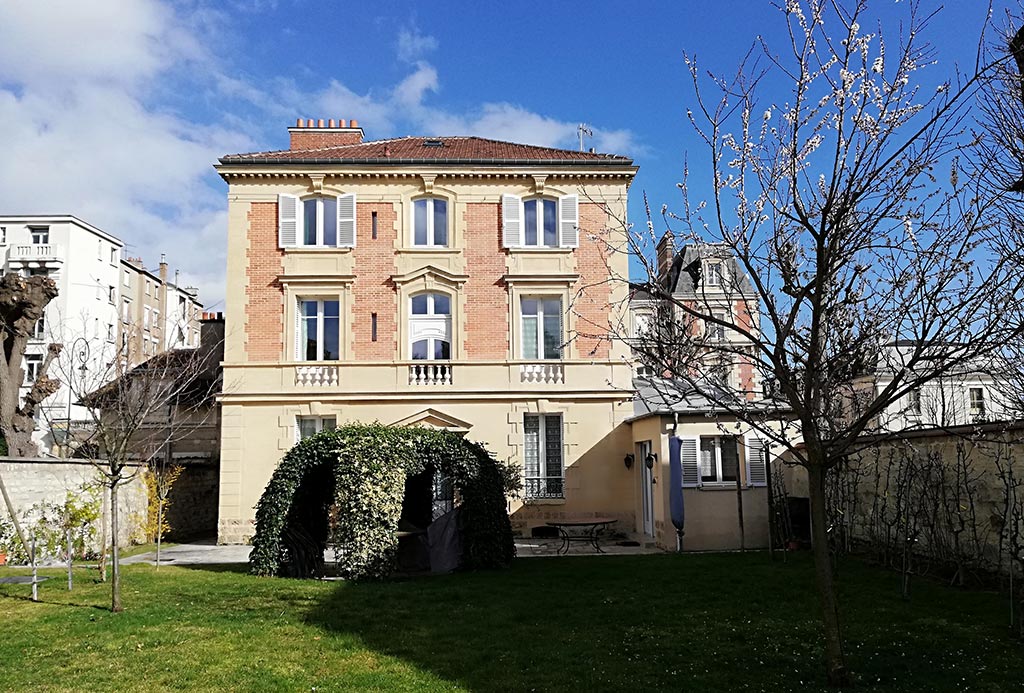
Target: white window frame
pixel 40 235
pixel 112 295
pixel 39 329
pixel 318 425
pixel 33 364
pixel 145 320
pixel 718 480
pixel 300 321
pixel 430 223
pixel 714 270
pixel 977 404
pixel 914 407
pixel 301 233
pixel 714 331
pixel 126 278
pixel 540 223
pixel 539 317
pixel 542 456
pixel 441 322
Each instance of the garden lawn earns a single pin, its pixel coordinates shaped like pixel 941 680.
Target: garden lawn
pixel 733 622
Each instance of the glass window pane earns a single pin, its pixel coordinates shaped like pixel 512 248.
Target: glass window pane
pixel 331 350
pixel 309 222
pixel 307 428
pixel 552 446
pixel 309 309
pixel 419 213
pixel 440 222
pixel 419 304
pixel 442 305
pixel 552 336
pixel 730 458
pixel 329 423
pixel 531 447
pixel 529 337
pixel 530 222
pixel 530 306
pixel 330 221
pixel 552 306
pixel 707 460
pixel 331 309
pixel 550 223
pixel 309 339
pixel 419 350
pixel 442 350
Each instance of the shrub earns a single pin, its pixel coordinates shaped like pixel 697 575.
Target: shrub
pixel 344 488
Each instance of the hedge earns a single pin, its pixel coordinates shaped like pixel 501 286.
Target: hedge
pixel 343 489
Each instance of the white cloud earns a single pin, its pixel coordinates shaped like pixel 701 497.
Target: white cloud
pixel 412 45
pixel 92 107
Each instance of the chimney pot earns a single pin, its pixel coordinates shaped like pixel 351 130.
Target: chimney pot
pixel 330 123
pixel 354 123
pixel 298 122
pixel 320 123
pixel 666 253
pixel 341 123
pixel 309 123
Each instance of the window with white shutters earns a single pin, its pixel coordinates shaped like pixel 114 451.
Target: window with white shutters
pixel 323 221
pixel 719 459
pixel 540 222
pixel 689 461
pixel 542 456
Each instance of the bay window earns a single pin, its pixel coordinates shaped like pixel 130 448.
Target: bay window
pixel 542 456
pixel 541 327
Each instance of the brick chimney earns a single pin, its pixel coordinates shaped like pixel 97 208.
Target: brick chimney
pixel 163 268
pixel 314 134
pixel 666 253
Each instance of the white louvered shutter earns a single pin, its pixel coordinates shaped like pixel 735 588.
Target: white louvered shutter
pixel 347 221
pixel 689 461
pixel 757 474
pixel 569 221
pixel 288 213
pixel 512 220
pixel 298 429
pixel 299 352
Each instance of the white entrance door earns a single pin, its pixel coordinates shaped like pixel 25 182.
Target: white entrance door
pixel 647 488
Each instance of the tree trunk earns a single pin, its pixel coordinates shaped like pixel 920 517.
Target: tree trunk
pixel 115 568
pixel 835 661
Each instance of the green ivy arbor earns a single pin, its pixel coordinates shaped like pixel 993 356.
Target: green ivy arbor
pixel 344 489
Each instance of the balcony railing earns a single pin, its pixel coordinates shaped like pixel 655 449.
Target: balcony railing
pixel 316 376
pixel 430 374
pixel 549 373
pixel 544 487
pixel 36 251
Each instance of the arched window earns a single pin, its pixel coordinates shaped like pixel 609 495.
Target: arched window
pixel 430 325
pixel 430 222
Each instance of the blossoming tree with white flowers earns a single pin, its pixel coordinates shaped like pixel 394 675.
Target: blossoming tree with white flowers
pixel 865 231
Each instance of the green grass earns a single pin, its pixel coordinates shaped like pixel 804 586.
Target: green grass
pixel 635 623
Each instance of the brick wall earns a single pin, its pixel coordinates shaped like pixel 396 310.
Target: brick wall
pixel 592 291
pixel 373 290
pixel 264 305
pixel 315 139
pixel 486 325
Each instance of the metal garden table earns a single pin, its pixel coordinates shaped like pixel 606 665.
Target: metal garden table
pixel 590 529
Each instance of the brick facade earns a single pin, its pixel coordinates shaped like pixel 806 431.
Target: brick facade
pixel 373 290
pixel 592 292
pixel 486 325
pixel 316 139
pixel 264 305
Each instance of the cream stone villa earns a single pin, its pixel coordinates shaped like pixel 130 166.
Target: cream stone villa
pixel 456 282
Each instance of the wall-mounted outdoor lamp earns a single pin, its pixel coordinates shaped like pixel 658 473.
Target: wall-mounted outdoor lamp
pixel 651 458
pixel 628 461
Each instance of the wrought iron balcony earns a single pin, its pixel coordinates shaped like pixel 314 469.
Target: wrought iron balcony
pixel 536 487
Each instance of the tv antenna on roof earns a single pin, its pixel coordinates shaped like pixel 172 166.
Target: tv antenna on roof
pixel 582 130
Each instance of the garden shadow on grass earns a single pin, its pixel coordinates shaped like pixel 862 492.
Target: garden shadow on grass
pixel 547 624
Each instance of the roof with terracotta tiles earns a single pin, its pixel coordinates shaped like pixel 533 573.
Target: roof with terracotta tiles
pixel 433 150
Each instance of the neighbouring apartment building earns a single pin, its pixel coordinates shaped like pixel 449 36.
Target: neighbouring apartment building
pixel 156 314
pixel 456 282
pixel 86 316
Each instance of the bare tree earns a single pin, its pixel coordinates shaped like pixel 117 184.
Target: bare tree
pixel 137 414
pixel 22 302
pixel 827 245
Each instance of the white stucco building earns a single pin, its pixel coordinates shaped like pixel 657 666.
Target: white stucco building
pixel 87 316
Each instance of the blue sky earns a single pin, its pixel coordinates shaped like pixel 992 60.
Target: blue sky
pixel 115 110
